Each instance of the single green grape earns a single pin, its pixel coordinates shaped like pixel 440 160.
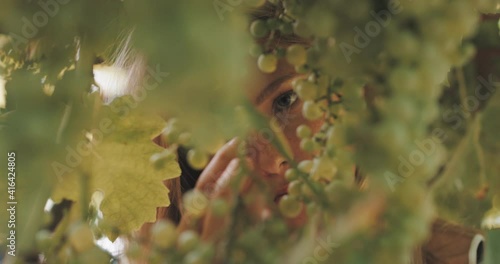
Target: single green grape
pixel 256 50
pixel 259 29
pixel 307 191
pixel 295 188
pixel 304 131
pixel 184 139
pixel 171 132
pixel 307 144
pixel 311 110
pixel 302 29
pixel 286 28
pixel 289 206
pixel 197 159
pixel 291 174
pixel 195 203
pixel 296 55
pixel 160 159
pixel 188 240
pixel 268 63
pixel 306 90
pixel 163 234
pixel 305 166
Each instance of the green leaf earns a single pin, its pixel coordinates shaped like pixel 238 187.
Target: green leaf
pixel 120 168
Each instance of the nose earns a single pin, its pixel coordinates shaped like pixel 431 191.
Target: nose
pixel 267 160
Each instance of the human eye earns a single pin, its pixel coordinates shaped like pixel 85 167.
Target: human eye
pixel 284 101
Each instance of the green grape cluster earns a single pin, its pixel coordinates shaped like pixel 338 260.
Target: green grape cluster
pixel 400 52
pixel 171 246
pixel 73 243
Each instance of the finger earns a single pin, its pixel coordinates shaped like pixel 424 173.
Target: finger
pixel 226 183
pixel 214 225
pixel 220 189
pixel 217 165
pixel 222 186
pixel 247 181
pixel 227 187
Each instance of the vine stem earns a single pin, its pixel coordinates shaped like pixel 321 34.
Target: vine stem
pixel 472 134
pixel 84 194
pixel 454 161
pixel 462 87
pixel 64 122
pixel 479 150
pixel 85 75
pixel 232 229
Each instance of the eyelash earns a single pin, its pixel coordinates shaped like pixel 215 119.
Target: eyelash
pixel 279 109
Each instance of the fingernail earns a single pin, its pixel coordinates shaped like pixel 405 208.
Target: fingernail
pixel 234 140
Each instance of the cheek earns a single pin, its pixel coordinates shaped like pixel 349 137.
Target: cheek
pixel 294 141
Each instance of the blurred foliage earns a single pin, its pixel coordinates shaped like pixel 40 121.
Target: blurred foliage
pixel 70 145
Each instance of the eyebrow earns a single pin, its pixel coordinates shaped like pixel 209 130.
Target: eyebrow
pixel 273 86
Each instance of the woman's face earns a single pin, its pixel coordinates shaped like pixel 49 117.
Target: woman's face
pixel 273 96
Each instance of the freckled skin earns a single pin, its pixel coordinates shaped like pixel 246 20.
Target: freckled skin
pixel 267 160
